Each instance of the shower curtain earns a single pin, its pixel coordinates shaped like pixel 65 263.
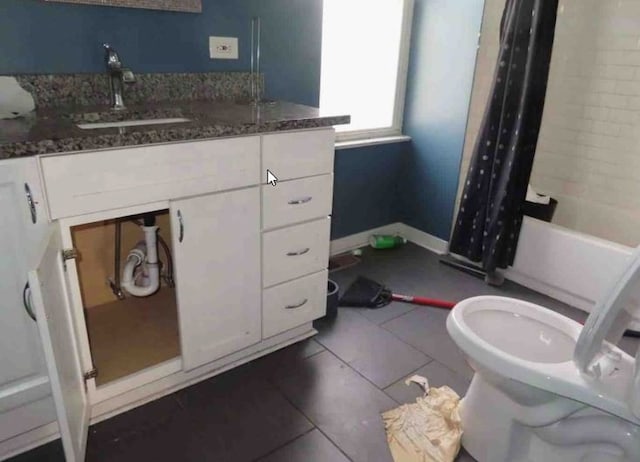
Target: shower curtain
pixel 490 215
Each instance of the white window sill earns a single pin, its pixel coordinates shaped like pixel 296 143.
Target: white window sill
pixel 372 142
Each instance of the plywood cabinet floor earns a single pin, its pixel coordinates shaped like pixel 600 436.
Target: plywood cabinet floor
pixel 133 334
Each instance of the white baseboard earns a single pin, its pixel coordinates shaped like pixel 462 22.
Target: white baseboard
pixel 355 241
pixel 425 240
pixel 29 440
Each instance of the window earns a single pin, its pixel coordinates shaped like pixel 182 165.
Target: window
pixel 365 50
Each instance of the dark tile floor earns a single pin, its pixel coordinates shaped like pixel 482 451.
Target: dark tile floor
pixel 320 400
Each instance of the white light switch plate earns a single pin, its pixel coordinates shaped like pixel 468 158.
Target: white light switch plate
pixel 223 47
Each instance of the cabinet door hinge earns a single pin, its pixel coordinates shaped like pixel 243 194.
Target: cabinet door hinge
pixel 69 254
pixel 92 374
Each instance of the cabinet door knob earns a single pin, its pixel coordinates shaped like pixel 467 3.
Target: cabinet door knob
pixel 299 305
pixel 298 252
pixel 181 224
pixel 26 301
pixel 31 203
pixel 301 201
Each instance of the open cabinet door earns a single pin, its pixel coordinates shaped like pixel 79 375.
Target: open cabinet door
pixel 51 306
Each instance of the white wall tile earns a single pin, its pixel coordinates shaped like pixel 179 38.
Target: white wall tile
pixel 588 154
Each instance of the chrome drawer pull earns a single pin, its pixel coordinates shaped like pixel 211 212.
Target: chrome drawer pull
pixel 299 305
pixel 304 200
pixel 298 253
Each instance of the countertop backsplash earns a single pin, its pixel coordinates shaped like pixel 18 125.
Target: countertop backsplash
pixel 61 90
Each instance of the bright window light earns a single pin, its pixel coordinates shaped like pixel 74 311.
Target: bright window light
pixel 361 56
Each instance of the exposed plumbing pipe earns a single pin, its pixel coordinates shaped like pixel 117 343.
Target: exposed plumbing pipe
pixel 146 254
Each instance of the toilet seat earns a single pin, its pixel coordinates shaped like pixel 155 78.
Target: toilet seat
pixel 609 392
pixel 617 301
pixel 531 398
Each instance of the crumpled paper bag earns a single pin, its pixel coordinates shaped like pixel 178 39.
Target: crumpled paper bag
pixel 428 430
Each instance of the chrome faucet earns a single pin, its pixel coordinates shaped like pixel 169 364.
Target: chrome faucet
pixel 118 75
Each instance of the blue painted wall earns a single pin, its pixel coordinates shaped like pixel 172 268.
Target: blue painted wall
pixel 373 186
pixel 40 37
pixel 443 55
pixel 366 188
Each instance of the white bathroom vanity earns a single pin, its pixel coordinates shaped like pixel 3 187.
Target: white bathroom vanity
pixel 250 266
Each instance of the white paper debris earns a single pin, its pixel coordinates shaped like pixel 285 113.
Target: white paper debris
pixel 429 430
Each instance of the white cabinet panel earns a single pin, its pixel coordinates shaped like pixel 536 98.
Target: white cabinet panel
pixel 55 324
pixel 299 154
pixel 295 251
pixel 294 303
pixel 89 182
pixel 24 418
pixel 216 241
pixel 296 201
pixel 23 373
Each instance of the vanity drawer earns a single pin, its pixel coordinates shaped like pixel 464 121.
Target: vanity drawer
pixel 294 303
pixel 299 154
pixel 296 251
pixel 88 182
pixel 296 201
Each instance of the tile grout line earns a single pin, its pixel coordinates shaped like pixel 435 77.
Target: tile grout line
pixel 381 326
pixel 433 359
pixel 363 376
pixel 324 348
pixel 259 458
pixel 386 320
pixel 316 427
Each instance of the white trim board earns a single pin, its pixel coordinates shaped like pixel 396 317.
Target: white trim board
pixel 27 441
pixel 425 240
pixel 355 241
pixel 359 143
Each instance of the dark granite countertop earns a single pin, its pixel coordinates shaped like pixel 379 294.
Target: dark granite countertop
pixel 54 130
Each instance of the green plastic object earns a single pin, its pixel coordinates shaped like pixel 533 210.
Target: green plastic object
pixel 378 241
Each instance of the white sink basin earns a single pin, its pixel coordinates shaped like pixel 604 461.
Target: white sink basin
pixel 132 123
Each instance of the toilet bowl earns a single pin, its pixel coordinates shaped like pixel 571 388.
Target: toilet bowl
pixel 545 387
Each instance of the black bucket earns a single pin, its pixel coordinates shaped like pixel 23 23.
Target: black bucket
pixel 332 299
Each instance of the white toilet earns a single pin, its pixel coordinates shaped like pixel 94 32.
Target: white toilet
pixel 546 388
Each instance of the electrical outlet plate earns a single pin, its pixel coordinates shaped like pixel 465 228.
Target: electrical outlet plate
pixel 223 47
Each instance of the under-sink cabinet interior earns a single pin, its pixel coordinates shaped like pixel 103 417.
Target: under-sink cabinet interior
pixel 152 268
pixel 126 333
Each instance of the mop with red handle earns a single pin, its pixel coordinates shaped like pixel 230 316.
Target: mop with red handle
pixel 437 303
pixel 365 293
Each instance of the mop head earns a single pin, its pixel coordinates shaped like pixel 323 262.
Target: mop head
pixel 365 293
